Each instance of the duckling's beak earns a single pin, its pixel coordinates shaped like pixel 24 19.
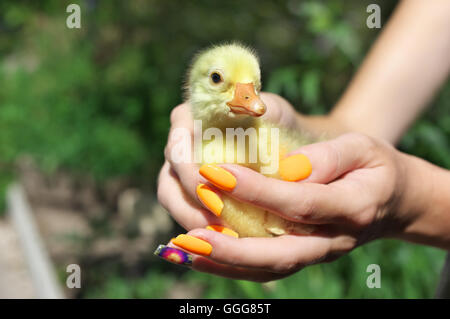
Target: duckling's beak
pixel 246 101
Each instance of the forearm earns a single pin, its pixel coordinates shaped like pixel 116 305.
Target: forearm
pixel 403 70
pixel 427 204
pixel 400 75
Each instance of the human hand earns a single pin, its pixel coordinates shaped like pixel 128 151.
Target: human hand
pixel 187 210
pixel 177 181
pixel 360 189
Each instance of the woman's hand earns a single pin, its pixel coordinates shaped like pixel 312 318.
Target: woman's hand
pixel 177 183
pixel 178 180
pixel 360 189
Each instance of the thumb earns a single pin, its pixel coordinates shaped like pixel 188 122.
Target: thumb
pixel 332 159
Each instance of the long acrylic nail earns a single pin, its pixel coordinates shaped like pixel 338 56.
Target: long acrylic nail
pixel 224 230
pixel 193 244
pixel 210 199
pixel 218 177
pixel 174 255
pixel 295 168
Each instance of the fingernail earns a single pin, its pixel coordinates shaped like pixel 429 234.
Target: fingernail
pixel 173 255
pixel 210 199
pixel 218 176
pixel 193 244
pixel 295 168
pixel 223 230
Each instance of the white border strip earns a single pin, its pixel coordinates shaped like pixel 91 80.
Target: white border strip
pixel 42 272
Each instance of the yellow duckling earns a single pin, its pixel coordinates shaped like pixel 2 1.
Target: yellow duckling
pixel 223 89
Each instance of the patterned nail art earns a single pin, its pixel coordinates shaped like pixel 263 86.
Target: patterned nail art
pixel 173 255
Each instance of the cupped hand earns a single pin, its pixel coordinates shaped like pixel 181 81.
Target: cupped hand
pixel 178 180
pixel 359 190
pixel 182 176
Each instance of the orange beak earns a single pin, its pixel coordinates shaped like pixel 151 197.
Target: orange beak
pixel 246 101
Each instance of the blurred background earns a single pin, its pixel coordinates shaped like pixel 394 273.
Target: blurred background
pixel 84 118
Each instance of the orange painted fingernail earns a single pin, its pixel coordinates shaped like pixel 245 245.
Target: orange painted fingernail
pixel 210 199
pixel 193 244
pixel 295 168
pixel 218 176
pixel 223 230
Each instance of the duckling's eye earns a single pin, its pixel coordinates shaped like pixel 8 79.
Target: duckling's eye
pixel 216 77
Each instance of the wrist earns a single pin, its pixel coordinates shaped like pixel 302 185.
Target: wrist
pixel 424 208
pixel 414 190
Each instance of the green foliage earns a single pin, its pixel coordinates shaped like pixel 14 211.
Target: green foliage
pixel 407 271
pixel 5 180
pixel 108 280
pixel 346 278
pixel 429 136
pixel 97 100
pixel 117 287
pixel 100 96
pixel 53 113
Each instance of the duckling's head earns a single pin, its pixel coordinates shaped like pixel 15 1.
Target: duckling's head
pixel 223 85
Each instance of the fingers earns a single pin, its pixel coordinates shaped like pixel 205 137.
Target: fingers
pixel 281 255
pixel 188 215
pixel 312 200
pixel 182 256
pixel 258 259
pixel 179 149
pixel 183 208
pixel 279 110
pixel 204 264
pixel 333 158
pixel 273 112
pixel 300 202
pixel 181 114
